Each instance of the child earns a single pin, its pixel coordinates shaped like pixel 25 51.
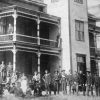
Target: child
pixel 74 87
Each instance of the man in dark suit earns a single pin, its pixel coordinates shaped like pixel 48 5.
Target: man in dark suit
pixel 56 82
pixel 96 82
pixel 88 83
pixel 82 81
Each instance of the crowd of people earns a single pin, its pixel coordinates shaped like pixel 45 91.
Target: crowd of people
pixel 19 84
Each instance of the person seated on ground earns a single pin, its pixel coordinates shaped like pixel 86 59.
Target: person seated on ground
pixel 8 87
pixel 28 91
pixel 18 90
pixel 13 88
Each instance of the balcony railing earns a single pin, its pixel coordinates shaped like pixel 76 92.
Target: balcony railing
pixel 29 40
pixel 6 37
pixel 46 42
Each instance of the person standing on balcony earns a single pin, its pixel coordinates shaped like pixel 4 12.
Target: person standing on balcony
pixel 1 28
pixel 10 29
pixel 58 40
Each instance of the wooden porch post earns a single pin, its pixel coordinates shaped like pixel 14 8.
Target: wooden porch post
pixel 38 30
pixel 14 39
pixel 39 54
pixel 14 58
pixel 15 19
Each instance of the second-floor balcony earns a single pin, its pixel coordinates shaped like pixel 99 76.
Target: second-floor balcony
pixel 29 27
pixel 8 38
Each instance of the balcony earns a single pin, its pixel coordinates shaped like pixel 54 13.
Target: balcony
pixel 31 28
pixel 28 39
pixel 6 38
pixel 50 43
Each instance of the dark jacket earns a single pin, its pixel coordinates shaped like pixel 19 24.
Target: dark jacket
pixel 96 80
pixel 89 80
pixel 47 78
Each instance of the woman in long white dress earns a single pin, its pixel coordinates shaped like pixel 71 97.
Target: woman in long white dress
pixel 24 83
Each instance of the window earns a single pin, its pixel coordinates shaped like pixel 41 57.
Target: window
pixel 79 1
pixel 79 30
pixel 81 63
pixel 94 68
pixel 2 26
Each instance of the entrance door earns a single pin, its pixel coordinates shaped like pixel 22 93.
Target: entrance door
pixel 81 63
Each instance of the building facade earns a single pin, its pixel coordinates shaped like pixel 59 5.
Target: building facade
pixel 94 42
pixel 29 37
pixel 74 33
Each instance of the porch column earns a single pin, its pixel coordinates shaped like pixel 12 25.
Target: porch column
pixel 38 30
pixel 15 18
pixel 59 35
pixel 39 54
pixel 14 58
pixel 60 64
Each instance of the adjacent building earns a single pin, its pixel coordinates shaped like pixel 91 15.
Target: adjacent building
pixel 94 43
pixel 74 33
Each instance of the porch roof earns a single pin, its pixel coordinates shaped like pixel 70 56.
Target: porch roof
pixel 8 11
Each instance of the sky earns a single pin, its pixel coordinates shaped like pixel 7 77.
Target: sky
pixel 93 2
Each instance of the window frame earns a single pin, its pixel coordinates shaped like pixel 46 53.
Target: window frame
pixel 79 1
pixel 79 63
pixel 79 34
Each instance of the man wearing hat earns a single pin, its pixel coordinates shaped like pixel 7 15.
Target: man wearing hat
pixel 56 79
pixel 96 83
pixel 88 82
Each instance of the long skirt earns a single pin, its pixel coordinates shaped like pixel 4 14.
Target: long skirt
pixel 24 86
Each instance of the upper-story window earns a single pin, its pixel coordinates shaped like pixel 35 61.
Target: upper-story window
pixel 79 1
pixel 79 30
